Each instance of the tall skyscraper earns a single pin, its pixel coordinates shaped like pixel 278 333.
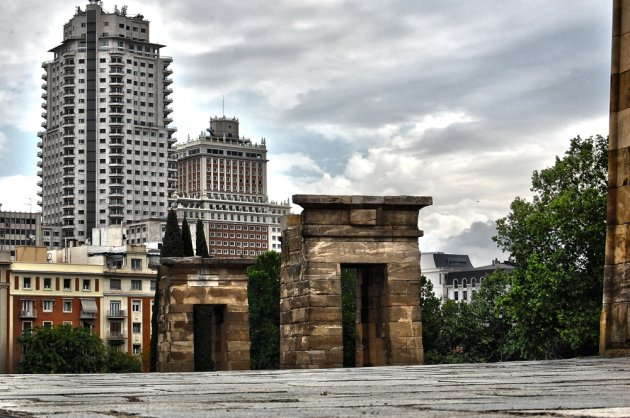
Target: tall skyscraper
pixel 106 155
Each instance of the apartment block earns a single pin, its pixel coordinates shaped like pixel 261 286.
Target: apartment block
pixel 19 229
pixel 107 289
pixel 106 148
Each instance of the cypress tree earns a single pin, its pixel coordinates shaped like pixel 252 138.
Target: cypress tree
pixel 172 246
pixel 187 239
pixel 202 245
pixel 172 243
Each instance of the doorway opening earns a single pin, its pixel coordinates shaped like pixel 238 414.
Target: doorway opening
pixel 209 332
pixel 364 322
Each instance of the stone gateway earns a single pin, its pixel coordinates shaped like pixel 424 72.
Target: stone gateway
pixel 377 237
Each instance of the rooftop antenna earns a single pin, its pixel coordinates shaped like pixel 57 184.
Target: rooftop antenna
pixel 223 102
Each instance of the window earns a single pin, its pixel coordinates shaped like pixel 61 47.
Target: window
pixel 455 295
pixel 26 282
pixel 67 284
pixel 86 284
pixel 28 308
pixel 136 305
pixel 48 324
pixel 67 305
pixel 47 305
pixel 137 327
pixel 67 323
pixel 153 284
pixel 136 349
pixel 136 263
pixel 27 326
pixel 114 284
pixel 47 283
pixel 114 308
pixel 136 285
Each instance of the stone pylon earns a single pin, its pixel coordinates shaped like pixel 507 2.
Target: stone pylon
pixel 615 318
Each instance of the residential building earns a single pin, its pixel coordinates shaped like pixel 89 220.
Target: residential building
pixel 106 156
pixel 453 275
pixel 19 229
pixel 108 289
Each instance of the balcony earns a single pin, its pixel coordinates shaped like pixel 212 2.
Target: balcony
pixel 40 164
pixel 44 115
pixel 116 122
pixel 167 120
pixel 68 174
pixel 39 203
pixel 172 129
pixel 68 204
pixel 116 110
pixel 68 103
pixel 40 193
pixel 68 134
pixel 116 203
pixel 116 162
pixel 116 81
pixel 167 81
pixel 29 314
pixel 118 313
pixel 45 95
pixel 68 93
pixel 87 315
pixel 39 183
pixel 116 335
pixel 44 105
pixel 39 154
pixel 45 76
pixel 39 173
pixel 45 86
pixel 168 91
pixel 44 124
pixel 166 58
pixel 41 134
pixel 116 91
pixel 168 71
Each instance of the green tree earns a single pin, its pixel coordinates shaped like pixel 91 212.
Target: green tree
pixel 557 240
pixel 263 292
pixel 121 362
pixel 172 243
pixel 201 248
pixel 431 322
pixel 62 349
pixel 172 246
pixel 187 239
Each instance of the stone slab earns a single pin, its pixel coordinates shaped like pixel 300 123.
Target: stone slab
pixel 588 387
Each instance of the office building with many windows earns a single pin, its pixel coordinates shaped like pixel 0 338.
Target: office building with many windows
pixel 105 151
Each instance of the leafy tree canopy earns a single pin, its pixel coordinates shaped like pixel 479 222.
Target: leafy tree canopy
pixel 557 240
pixel 63 349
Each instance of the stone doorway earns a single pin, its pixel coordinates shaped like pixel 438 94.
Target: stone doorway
pixel 371 347
pixel 209 334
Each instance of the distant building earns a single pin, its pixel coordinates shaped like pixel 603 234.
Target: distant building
pixel 453 275
pixel 107 288
pixel 19 229
pixel 222 180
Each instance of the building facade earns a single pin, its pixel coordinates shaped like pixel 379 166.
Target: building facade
pixel 454 277
pixel 105 155
pixel 107 289
pixel 19 229
pixel 222 181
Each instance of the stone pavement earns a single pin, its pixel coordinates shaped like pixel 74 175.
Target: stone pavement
pixel 591 387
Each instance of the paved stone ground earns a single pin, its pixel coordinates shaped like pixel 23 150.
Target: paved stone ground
pixel 592 387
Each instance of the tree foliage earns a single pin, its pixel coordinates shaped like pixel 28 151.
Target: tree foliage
pixel 263 293
pixel 187 239
pixel 63 349
pixel 172 243
pixel 557 240
pixel 201 247
pixel 349 315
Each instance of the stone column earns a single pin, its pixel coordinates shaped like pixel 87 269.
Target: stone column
pixel 615 318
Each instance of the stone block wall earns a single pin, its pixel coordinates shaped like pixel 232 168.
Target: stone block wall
pixel 615 318
pixel 363 232
pixel 190 281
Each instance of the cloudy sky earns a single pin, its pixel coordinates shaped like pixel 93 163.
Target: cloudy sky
pixel 458 100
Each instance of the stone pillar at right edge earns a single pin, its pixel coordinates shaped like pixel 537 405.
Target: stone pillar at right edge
pixel 615 318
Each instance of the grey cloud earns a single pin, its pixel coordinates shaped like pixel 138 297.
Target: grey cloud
pixel 476 241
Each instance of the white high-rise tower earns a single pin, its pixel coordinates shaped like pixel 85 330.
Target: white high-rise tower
pixel 106 154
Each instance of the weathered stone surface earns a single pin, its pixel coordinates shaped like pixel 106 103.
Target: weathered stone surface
pixel 615 321
pixel 192 281
pixel 375 235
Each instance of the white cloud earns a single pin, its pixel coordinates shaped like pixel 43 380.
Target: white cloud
pixel 19 193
